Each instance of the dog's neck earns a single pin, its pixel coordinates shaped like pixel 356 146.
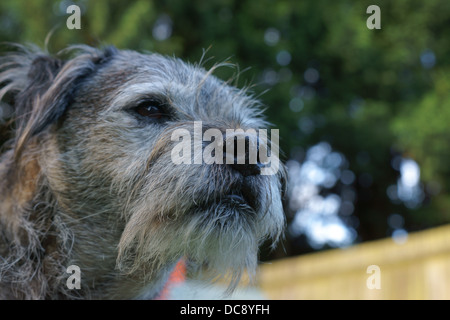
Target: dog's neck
pixel 29 237
pixel 38 232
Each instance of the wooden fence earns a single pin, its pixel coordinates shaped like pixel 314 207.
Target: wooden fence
pixel 417 269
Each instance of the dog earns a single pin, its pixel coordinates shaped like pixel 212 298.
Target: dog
pixel 88 178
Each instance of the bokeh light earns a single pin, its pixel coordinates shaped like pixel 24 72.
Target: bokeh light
pixel 317 209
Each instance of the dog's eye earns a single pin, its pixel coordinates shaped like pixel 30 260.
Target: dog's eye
pixel 151 109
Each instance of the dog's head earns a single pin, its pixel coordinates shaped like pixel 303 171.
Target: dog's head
pixel 146 149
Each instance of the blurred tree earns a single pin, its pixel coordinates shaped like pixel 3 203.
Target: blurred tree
pixel 374 95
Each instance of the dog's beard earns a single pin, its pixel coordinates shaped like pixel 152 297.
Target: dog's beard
pixel 208 214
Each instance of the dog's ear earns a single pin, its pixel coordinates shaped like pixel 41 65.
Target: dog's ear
pixel 32 112
pixel 43 69
pixel 43 87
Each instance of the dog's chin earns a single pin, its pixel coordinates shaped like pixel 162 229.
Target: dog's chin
pixel 226 238
pixel 220 231
pixel 226 214
pixel 228 205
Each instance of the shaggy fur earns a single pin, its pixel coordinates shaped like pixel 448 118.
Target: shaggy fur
pixel 87 181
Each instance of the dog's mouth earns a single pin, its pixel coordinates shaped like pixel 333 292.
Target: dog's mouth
pixel 237 200
pixel 242 199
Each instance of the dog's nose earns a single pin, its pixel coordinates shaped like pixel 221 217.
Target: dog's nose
pixel 246 159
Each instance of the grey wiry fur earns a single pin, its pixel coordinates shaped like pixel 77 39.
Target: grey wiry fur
pixel 88 182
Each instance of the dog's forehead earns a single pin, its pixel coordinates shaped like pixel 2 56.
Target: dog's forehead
pixel 143 66
pixel 187 86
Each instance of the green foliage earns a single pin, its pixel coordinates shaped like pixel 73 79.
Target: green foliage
pixel 424 131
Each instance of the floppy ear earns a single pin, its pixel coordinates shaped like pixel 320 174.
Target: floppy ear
pixel 32 111
pixel 43 86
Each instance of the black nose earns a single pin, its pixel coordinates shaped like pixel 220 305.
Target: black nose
pixel 245 158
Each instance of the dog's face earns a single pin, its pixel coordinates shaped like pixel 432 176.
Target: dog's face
pixel 109 158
